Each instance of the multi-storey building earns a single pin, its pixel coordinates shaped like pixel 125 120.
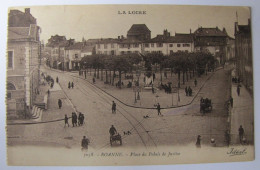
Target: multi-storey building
pixel 243 53
pixel 23 56
pixel 168 44
pixel 212 40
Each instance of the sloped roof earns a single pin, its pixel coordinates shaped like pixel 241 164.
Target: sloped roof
pixel 138 29
pixel 87 48
pixel 23 33
pixel 180 38
pixel 210 32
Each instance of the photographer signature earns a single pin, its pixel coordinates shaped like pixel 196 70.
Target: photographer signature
pixel 235 152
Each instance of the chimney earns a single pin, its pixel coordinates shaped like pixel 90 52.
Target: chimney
pixel 122 37
pixel 190 30
pixel 27 10
pixel 118 37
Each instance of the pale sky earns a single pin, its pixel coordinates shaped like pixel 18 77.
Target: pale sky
pixel 102 21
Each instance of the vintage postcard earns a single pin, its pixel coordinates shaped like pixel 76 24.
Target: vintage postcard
pixel 129 85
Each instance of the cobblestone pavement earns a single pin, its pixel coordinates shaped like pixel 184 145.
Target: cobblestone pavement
pixel 178 126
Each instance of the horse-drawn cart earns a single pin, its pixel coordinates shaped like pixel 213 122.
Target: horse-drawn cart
pixel 205 105
pixel 115 138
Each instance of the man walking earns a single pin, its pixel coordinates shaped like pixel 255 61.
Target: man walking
pixel 66 121
pixel 113 107
pixel 195 82
pixel 198 142
pixel 238 90
pixel 72 85
pixel 241 133
pixel 59 103
pixel 159 109
pixel 231 101
pixel 84 143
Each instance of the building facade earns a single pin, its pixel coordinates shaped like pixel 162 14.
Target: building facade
pixel 243 54
pixel 212 40
pixel 23 57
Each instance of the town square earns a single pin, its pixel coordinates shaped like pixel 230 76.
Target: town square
pixel 146 85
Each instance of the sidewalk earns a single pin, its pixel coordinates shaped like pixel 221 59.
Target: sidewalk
pixel 242 113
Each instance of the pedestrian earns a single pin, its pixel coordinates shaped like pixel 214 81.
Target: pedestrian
pixel 85 73
pixel 198 142
pixel 74 119
pixel 82 119
pixel 66 121
pixel 84 143
pixel 189 91
pixel 79 119
pixel 48 92
pixel 186 91
pixel 57 79
pixel 72 85
pixel 113 107
pixel 195 82
pixel 94 80
pixel 69 85
pixel 159 109
pixel 59 103
pixel 238 90
pixel 231 101
pixel 241 133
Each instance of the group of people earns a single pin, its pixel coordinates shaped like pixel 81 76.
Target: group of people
pixel 81 73
pixel 76 120
pixel 241 133
pixel 188 91
pixel 70 85
pixel 167 88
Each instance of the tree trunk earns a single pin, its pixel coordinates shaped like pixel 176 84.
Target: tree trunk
pixel 187 77
pixel 106 77
pixel 183 77
pixel 98 73
pixel 101 74
pixel 179 78
pixel 161 74
pixel 110 77
pixel 113 78
pixel 120 79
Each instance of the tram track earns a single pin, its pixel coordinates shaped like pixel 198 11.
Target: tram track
pixel 137 125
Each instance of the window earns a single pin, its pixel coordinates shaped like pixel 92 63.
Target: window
pixel 159 44
pixel 146 45
pixel 171 45
pixel 186 45
pixel 98 46
pixel 136 45
pixel 10 59
pixel 122 52
pixel 136 52
pixel 152 45
pixel 105 46
pixel 105 52
pixel 171 51
pixel 112 45
pixel 128 52
pixel 9 95
pixel 178 45
pixel 76 56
